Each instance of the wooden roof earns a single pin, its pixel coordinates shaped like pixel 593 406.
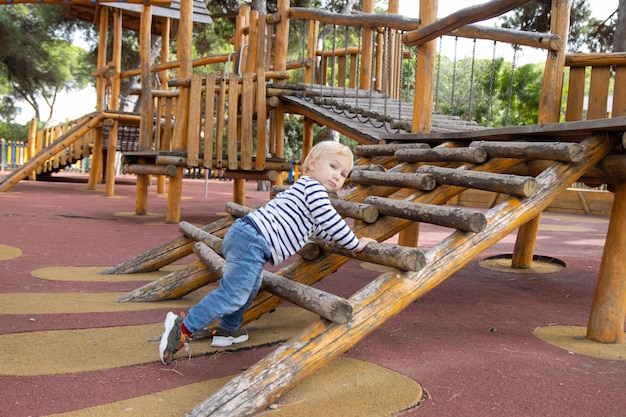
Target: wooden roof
pixel 132 13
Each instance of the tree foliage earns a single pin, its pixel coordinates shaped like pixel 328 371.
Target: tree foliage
pixel 587 33
pixel 38 60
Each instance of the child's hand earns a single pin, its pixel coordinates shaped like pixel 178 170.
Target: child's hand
pixel 363 242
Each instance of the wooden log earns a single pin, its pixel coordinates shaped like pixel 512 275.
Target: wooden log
pixel 417 181
pixel 268 175
pixel 560 151
pixel 195 233
pixel 473 156
pixel 606 320
pixel 386 150
pixel 369 167
pixel 237 210
pixel 456 218
pixel 140 169
pixel 174 285
pixel 459 19
pixel 166 253
pixel 394 256
pixel 500 183
pixel 359 211
pixel 180 160
pixel 328 306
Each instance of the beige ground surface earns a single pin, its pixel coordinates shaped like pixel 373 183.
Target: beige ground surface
pixel 346 387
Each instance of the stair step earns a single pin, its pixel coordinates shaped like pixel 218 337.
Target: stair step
pixel 476 155
pixel 555 151
pixel 456 218
pixel 500 183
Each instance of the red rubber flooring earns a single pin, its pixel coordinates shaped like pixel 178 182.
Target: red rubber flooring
pixel 469 342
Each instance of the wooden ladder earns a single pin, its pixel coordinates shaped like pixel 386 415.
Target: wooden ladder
pixel 397 184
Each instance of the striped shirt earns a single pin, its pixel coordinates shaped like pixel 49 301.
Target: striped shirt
pixel 296 214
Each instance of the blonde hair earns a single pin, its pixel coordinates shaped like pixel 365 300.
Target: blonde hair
pixel 324 148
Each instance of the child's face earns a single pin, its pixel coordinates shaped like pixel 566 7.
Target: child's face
pixel 330 170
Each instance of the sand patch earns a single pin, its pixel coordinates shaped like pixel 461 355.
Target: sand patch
pixel 564 228
pixel 539 264
pixel 72 303
pixel 92 274
pixel 572 338
pixel 9 252
pixel 84 350
pixel 140 216
pixel 344 388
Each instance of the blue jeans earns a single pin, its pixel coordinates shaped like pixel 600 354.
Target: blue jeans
pixel 246 253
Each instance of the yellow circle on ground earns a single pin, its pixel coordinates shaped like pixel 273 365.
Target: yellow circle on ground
pixel 573 339
pixel 539 265
pixel 9 252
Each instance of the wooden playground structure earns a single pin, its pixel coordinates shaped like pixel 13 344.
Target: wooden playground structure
pixel 410 167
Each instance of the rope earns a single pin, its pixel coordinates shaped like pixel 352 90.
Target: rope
pixel 491 79
pixel 471 92
pixel 456 41
pixel 510 95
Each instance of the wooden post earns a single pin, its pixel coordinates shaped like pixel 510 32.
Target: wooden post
pixel 424 97
pixel 606 321
pixel 175 190
pixel 109 168
pixel 32 145
pixel 367 51
pixel 309 71
pixel 549 111
pixel 96 153
pixel 147 106
pixel 166 24
pixel 280 64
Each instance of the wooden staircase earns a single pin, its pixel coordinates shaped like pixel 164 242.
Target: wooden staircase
pixel 401 183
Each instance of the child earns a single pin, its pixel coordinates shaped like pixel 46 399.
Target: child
pixel 270 234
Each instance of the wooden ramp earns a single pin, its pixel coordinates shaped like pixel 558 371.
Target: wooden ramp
pixel 59 150
pixel 363 115
pixel 403 183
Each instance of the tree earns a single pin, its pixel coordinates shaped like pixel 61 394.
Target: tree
pixel 587 34
pixel 38 61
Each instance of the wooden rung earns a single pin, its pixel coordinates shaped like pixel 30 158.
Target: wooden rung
pixel 470 155
pixel 195 233
pixel 417 181
pixel 370 167
pixel 499 183
pixel 359 211
pixel 456 218
pixel 141 169
pixel 555 151
pixel 328 306
pixel 394 256
pixel 268 175
pixel 237 210
pixel 386 150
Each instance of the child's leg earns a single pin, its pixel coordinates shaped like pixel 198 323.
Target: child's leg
pixel 231 322
pixel 246 254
